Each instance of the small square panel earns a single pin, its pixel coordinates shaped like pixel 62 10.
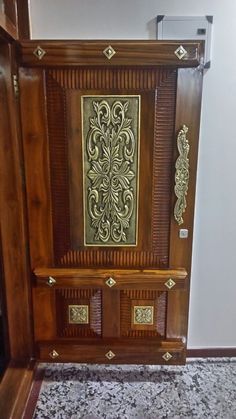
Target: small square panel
pixel 78 314
pixel 143 315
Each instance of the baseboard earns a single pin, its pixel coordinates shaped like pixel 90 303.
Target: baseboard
pixel 211 352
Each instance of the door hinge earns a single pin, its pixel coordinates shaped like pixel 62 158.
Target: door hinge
pixel 15 85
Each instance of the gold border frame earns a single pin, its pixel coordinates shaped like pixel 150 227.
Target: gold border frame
pixel 138 169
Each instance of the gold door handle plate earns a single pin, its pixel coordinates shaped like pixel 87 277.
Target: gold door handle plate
pixel 181 175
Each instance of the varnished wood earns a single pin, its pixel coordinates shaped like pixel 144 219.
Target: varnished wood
pixel 8 26
pixel 23 19
pixel 105 78
pixel 56 193
pixel 126 352
pixel 10 10
pixel 44 312
pixel 188 108
pixel 111 312
pixel 38 178
pixel 52 138
pixel 51 302
pixel 155 299
pixel 14 21
pixel 14 389
pixel 90 297
pixel 145 53
pixel 50 91
pixel 144 279
pixel 13 216
pixel 4 338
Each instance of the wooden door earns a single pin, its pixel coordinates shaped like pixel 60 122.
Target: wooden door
pixel 100 124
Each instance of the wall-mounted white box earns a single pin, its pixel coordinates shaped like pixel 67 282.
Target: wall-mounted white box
pixel 187 27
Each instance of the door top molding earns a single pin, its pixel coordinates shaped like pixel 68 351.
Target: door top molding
pixel 43 53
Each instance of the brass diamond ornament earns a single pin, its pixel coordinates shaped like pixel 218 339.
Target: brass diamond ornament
pixel 54 354
pixel 109 52
pixel 39 52
pixel 180 52
pixel 110 355
pixel 170 283
pixel 167 356
pixel 110 282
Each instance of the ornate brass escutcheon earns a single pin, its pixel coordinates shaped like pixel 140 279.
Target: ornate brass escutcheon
pixel 181 175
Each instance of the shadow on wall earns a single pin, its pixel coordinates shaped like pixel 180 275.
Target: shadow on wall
pixel 151 28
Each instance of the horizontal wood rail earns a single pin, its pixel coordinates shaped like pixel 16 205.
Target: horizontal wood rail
pixel 140 279
pixel 123 352
pixel 82 53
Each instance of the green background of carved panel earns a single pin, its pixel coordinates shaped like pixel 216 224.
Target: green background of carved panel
pixel 94 172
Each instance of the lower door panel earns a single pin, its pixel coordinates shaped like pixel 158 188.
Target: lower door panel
pixel 102 316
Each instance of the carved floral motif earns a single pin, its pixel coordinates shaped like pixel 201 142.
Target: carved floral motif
pixel 143 315
pixel 110 146
pixel 181 175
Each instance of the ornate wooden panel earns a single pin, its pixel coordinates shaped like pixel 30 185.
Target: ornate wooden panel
pixel 65 91
pixel 143 313
pixel 78 312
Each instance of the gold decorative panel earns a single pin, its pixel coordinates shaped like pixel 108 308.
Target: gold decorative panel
pixel 78 314
pixel 143 315
pixel 181 175
pixel 111 126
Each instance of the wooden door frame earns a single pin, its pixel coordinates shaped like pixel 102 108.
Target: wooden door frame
pixel 18 376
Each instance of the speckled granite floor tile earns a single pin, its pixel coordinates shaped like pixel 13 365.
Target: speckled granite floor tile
pixel 201 389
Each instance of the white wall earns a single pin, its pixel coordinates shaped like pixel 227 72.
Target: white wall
pixel 213 292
